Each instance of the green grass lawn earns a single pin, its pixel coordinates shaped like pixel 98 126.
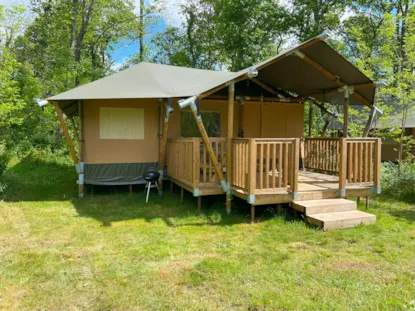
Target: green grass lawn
pixel 111 251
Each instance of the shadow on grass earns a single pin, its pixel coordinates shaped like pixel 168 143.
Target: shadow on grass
pixel 401 208
pixel 407 215
pixel 49 181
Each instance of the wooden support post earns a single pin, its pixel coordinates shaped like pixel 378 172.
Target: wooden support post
pixel 196 165
pixel 367 203
pixel 181 195
pixel 296 168
pixel 191 102
pixel 241 132
pixel 163 145
pixel 66 133
pixel 75 130
pixel 279 209
pixel 81 178
pixel 208 147
pixel 343 167
pixel 231 99
pixel 346 113
pixel 310 119
pixel 295 214
pixel 131 189
pixel 171 186
pixel 252 174
pixel 376 165
pixel 199 204
pixel 252 213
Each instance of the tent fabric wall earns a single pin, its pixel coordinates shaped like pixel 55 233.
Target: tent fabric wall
pixel 104 151
pixel 276 120
pixel 220 106
pixel 123 161
pixel 117 173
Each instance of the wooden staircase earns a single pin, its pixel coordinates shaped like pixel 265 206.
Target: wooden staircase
pixel 332 214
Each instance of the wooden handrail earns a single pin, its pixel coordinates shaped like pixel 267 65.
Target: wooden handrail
pixel 356 160
pixel 322 154
pixel 266 164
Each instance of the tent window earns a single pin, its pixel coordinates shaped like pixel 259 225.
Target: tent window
pixel 188 126
pixel 121 123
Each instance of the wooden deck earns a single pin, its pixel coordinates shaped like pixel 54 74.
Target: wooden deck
pixel 266 171
pixel 311 186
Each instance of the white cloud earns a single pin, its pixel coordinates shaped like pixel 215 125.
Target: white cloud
pixel 11 2
pixel 170 10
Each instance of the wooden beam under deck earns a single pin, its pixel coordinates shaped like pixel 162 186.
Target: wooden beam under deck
pixel 284 197
pixel 206 189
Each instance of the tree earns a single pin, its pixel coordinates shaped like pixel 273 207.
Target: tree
pixel 10 99
pixel 311 17
pixel 215 36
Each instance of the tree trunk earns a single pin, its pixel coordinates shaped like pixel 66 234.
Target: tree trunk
pixel 141 38
pixel 86 18
pixel 74 20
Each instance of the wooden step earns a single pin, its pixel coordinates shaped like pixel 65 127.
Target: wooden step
pixel 313 207
pixel 341 220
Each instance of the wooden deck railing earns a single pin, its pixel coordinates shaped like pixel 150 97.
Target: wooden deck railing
pixel 188 161
pixel 322 154
pixel 207 170
pixel 265 165
pixel 356 160
pixel 363 161
pixel 183 160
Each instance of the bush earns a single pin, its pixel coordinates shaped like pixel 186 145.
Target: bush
pixel 4 160
pixel 398 180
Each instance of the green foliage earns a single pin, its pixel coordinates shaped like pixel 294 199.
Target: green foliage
pixel 398 180
pixel 67 43
pixel 311 17
pixel 4 161
pixel 215 37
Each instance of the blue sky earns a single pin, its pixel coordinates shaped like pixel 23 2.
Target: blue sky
pixel 125 49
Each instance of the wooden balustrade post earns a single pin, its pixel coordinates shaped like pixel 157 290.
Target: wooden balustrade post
pixel 252 158
pixel 343 167
pixel 296 168
pixel 241 132
pixel 376 166
pixel 310 119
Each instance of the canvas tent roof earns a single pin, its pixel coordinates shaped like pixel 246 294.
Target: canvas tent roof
pixel 285 71
pixel 147 80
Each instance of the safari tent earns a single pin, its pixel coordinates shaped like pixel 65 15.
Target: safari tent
pixel 133 120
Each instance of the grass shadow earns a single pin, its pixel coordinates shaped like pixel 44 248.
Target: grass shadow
pixel 50 181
